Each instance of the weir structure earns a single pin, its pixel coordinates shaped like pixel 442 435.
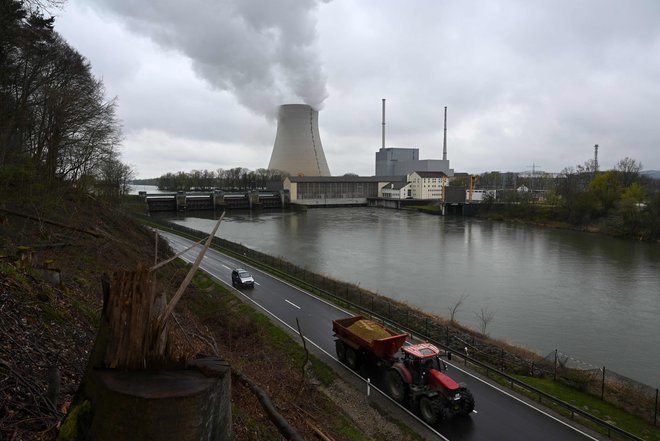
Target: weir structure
pixel 297 148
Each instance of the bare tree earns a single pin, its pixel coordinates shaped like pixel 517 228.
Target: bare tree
pixel 485 316
pixel 454 308
pixel 628 170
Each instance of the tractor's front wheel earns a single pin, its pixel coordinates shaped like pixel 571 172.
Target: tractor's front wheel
pixel 431 410
pixel 395 386
pixel 467 401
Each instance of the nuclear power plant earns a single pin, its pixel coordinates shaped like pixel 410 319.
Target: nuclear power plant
pixel 298 149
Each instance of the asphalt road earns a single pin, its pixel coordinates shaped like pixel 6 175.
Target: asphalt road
pixel 498 415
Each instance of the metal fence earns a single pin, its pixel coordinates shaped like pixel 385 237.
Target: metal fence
pixel 634 397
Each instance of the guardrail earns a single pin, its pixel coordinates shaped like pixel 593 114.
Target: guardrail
pixel 602 425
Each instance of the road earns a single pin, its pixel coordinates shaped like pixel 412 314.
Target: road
pixel 499 414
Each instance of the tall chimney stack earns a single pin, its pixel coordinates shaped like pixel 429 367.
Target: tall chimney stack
pixel 444 142
pixel 298 149
pixel 383 123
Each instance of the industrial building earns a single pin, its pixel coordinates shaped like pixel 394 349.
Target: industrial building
pixel 336 190
pixel 392 161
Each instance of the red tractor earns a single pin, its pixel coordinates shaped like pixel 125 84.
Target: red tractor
pixel 413 375
pixel 418 379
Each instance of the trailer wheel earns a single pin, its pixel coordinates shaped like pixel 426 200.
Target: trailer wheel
pixel 340 347
pixel 395 386
pixel 431 410
pixel 467 401
pixel 351 358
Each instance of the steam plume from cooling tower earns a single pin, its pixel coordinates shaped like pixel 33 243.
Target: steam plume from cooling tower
pixel 297 149
pixel 264 52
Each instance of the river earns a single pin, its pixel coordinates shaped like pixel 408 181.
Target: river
pixel 594 297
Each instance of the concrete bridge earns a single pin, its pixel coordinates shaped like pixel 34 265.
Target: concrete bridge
pixel 220 200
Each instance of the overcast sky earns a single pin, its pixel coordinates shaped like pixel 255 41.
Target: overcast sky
pixel 527 84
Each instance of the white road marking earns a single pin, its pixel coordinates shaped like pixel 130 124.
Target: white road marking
pixel 292 304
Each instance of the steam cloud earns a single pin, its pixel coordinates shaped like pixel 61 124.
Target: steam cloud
pixel 264 52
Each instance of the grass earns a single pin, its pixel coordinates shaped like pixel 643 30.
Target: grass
pixel 595 407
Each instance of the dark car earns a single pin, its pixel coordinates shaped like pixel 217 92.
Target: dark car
pixel 240 277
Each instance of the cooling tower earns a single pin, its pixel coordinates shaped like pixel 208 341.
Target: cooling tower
pixel 297 149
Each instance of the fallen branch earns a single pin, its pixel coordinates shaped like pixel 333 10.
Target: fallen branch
pixel 314 427
pixel 47 221
pixel 282 425
pixel 318 432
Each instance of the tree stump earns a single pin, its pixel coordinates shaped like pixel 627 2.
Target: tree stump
pixel 181 405
pixel 134 388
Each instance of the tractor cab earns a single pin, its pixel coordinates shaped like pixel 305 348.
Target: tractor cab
pixel 420 359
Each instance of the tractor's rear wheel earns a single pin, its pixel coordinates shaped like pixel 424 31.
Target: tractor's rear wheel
pixel 351 358
pixel 467 401
pixel 395 386
pixel 431 410
pixel 340 347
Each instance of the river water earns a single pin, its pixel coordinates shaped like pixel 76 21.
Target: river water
pixel 594 297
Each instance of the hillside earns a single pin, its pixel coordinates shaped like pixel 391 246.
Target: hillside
pixel 653 174
pixel 53 252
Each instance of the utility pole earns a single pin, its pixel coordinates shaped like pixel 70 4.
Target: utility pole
pixel 596 159
pixel 533 167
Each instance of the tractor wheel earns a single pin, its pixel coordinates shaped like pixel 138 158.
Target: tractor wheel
pixel 395 386
pixel 467 402
pixel 340 347
pixel 431 410
pixel 351 358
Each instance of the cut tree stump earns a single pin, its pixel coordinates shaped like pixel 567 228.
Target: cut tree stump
pixel 183 405
pixel 134 387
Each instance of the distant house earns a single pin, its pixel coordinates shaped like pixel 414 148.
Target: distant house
pixel 426 185
pixel 396 190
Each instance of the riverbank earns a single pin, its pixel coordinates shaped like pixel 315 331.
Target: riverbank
pixel 551 217
pixel 542 218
